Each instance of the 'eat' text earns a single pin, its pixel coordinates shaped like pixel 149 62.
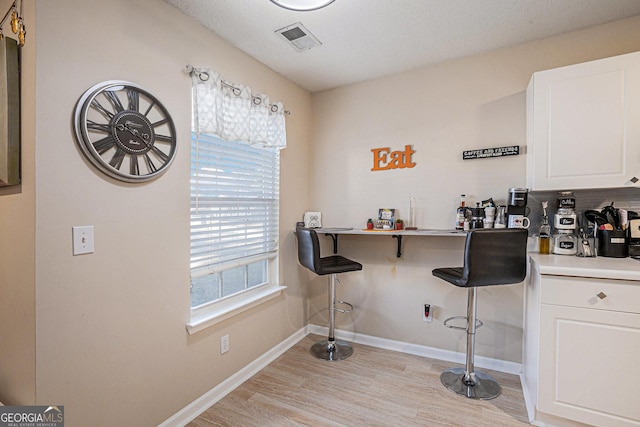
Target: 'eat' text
pixel 385 159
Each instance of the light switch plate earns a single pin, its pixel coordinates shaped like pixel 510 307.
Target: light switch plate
pixel 82 240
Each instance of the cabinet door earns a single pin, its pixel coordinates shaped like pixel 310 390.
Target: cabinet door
pixel 584 125
pixel 588 365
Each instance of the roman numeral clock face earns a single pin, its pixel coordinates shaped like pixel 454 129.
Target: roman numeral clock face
pixel 125 131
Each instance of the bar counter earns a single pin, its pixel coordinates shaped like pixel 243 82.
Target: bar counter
pixel 334 232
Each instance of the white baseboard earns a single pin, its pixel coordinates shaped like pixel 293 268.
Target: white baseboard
pixel 528 399
pixel 204 402
pixel 421 350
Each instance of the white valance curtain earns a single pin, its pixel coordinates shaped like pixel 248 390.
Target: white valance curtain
pixel 233 112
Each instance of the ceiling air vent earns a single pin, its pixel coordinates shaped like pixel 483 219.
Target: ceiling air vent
pixel 299 37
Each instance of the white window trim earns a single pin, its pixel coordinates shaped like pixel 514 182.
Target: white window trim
pixel 231 306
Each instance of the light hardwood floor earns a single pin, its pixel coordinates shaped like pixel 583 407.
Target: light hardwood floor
pixel 374 387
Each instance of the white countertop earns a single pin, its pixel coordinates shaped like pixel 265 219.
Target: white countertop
pixel 418 232
pixel 598 267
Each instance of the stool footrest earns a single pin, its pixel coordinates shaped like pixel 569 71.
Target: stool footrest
pixel 343 310
pixel 446 323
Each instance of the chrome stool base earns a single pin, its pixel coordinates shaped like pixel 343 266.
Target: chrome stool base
pixel 331 350
pixel 480 386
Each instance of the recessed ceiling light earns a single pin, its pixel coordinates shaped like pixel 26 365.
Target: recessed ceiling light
pixel 302 5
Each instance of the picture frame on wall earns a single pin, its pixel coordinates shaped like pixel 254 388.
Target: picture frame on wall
pixel 9 112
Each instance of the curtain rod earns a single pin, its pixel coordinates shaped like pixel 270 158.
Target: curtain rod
pixel 204 76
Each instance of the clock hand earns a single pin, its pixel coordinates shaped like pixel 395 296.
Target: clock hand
pixel 133 132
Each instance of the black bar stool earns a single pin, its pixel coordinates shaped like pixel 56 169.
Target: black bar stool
pixel 309 256
pixel 491 257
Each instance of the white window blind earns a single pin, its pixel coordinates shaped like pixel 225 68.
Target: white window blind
pixel 234 203
pixel 235 174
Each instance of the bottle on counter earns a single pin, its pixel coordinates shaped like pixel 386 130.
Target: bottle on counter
pixel 544 234
pixel 461 213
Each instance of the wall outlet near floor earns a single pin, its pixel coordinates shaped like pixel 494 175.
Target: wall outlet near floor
pixel 224 344
pixel 427 313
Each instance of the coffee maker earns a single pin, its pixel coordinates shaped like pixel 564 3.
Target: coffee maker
pixel 517 205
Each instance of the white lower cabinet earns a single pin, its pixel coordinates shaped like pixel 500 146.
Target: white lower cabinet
pixel 587 352
pixel 590 363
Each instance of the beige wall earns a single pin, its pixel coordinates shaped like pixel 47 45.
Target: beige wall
pixel 442 110
pixel 17 240
pixel 111 341
pixel 112 345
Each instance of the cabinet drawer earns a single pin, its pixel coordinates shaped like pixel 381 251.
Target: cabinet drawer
pixel 615 295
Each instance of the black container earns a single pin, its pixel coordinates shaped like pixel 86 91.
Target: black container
pixel 477 217
pixel 613 243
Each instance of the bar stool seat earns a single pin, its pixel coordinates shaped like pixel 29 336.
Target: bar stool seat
pixel 309 257
pixel 491 257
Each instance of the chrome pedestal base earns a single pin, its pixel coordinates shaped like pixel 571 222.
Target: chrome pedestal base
pixel 331 350
pixel 479 385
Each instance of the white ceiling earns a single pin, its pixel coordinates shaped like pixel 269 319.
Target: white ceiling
pixel 364 39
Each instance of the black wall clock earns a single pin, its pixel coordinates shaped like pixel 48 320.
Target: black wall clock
pixel 125 131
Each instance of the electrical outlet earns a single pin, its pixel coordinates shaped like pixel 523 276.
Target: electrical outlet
pixel 224 344
pixel 427 313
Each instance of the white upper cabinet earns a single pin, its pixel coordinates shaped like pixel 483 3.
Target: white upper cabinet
pixel 583 125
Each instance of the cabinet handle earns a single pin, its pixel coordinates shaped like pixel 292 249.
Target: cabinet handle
pixel 602 295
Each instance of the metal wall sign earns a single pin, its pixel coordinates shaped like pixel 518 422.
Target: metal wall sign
pixel 483 153
pixel 385 159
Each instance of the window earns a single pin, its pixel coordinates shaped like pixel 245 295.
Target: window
pixel 234 217
pixel 235 183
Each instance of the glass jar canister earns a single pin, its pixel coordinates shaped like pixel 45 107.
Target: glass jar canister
pixel 566 199
pixel 565 219
pixel 565 243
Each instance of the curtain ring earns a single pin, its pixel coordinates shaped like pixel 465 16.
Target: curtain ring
pixel 202 75
pixel 256 100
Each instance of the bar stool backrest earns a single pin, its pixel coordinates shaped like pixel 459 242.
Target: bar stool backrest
pixel 308 249
pixel 494 257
